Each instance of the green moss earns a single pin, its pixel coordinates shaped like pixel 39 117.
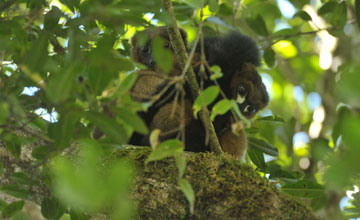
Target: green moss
pixel 225 189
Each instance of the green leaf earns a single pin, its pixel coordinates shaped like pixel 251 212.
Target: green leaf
pixel 109 126
pixel 304 189
pixel 180 160
pixel 193 3
pixel 40 153
pixel 167 148
pixel 35 57
pixel 128 82
pixel 271 118
pixel 20 216
pixel 220 108
pixel 74 215
pixel 285 31
pixel 21 178
pixel 1 168
pixel 303 15
pixel 14 149
pixel 215 72
pixel 4 112
pixel 132 120
pixel 188 191
pixel 213 6
pixel 205 98
pixel 162 55
pixel 99 78
pixel 339 17
pixel 51 208
pixel 2 204
pixel 258 25
pixel 12 209
pixel 60 84
pixel 318 203
pixel 15 190
pixel 71 4
pixel 225 9
pixel 63 130
pixel 283 175
pixel 269 56
pixel 257 157
pixel 218 21
pixel 52 18
pixel 235 107
pixel 263 146
pixel 357 9
pixel 327 7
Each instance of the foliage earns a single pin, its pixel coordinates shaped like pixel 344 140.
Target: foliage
pixel 61 61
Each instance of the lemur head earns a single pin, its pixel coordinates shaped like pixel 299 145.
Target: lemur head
pixel 143 53
pixel 248 90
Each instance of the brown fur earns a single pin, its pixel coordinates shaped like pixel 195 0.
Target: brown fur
pixel 149 83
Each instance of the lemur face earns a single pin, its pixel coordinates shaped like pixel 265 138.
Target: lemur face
pixel 249 91
pixel 247 108
pixel 143 53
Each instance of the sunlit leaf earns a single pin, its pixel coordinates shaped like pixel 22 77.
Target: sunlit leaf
pixel 215 72
pixel 205 98
pixel 220 108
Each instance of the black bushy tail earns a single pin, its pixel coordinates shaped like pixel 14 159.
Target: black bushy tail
pixel 231 51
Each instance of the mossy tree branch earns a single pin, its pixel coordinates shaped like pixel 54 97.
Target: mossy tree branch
pixel 180 50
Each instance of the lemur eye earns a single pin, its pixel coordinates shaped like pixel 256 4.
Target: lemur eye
pixel 251 109
pixel 146 50
pixel 241 90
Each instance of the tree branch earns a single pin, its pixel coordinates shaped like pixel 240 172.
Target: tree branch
pixel 180 50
